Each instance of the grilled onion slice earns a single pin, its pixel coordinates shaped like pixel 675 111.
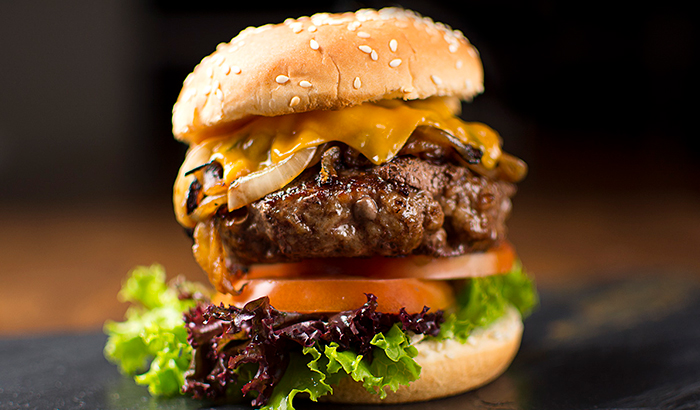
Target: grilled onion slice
pixel 208 207
pixel 256 185
pixel 197 156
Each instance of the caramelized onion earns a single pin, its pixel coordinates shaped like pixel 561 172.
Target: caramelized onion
pixel 469 153
pixel 511 168
pixel 329 158
pixel 213 190
pixel 256 185
pixel 212 179
pixel 197 156
pixel 508 168
pixel 209 206
pixel 196 159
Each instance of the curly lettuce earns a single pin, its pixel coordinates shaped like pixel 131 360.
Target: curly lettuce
pixel 368 345
pixel 481 301
pixel 151 344
pixel 268 357
pixel 392 366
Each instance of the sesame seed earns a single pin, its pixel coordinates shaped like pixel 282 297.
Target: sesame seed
pixel 263 28
pixel 305 84
pixel 453 48
pixel 458 64
pixel 226 69
pixel 357 83
pixel 219 94
pixel 395 62
pixel 468 84
pixel 320 18
pixel 353 25
pixel 281 79
pixel 496 335
pixel 210 72
pixel 437 80
pixel 314 44
pixel 235 69
pixel 207 90
pixel 374 55
pixel 297 27
pixel 189 94
pixel 311 29
pixel 365 49
pixel 294 101
pixel 393 45
pixel 362 34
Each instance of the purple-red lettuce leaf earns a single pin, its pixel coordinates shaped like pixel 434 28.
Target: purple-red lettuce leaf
pixel 257 335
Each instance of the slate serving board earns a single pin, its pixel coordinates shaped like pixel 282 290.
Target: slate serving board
pixel 632 344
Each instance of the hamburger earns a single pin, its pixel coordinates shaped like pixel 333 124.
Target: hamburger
pixel 351 223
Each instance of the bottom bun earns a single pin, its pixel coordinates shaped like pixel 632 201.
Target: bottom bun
pixel 448 367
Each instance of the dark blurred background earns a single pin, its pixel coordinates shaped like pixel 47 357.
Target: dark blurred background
pixel 594 95
pixel 599 98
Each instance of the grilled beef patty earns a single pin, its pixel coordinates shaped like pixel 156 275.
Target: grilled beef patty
pixel 348 207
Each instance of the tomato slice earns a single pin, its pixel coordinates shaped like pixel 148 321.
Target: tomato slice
pixel 337 284
pixel 491 262
pixel 335 295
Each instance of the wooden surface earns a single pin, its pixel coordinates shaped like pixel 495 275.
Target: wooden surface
pixel 61 270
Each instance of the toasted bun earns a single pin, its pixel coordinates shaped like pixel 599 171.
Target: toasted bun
pixel 449 367
pixel 325 62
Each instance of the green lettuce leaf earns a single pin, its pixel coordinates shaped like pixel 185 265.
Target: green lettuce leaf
pixel 351 364
pixel 393 361
pixel 303 375
pixel 392 364
pixel 152 342
pixel 519 289
pixel 483 300
pixel 323 366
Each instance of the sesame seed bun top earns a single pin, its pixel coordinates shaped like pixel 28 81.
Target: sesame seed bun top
pixel 325 62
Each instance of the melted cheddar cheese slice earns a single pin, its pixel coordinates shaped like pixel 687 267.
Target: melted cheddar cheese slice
pixel 378 130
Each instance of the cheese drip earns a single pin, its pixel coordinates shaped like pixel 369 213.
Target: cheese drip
pixel 378 130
